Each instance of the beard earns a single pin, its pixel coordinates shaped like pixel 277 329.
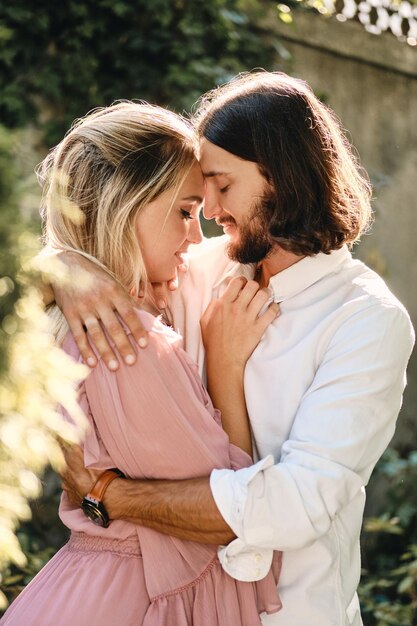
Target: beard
pixel 255 242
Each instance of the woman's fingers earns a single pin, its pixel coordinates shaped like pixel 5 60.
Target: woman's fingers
pixel 246 295
pixel 272 312
pixel 233 289
pixel 258 302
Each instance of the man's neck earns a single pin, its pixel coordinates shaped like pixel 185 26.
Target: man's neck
pixel 276 262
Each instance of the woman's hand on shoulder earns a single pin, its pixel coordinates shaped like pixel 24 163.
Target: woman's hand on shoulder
pixel 233 325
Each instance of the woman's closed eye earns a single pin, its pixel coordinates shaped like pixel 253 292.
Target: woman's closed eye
pixel 186 214
pixel 224 189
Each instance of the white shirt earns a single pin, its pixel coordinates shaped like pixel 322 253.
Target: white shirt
pixel 323 391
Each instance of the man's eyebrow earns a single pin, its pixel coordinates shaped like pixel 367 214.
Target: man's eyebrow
pixel 213 173
pixel 198 199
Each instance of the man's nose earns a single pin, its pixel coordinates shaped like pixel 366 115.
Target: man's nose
pixel 211 207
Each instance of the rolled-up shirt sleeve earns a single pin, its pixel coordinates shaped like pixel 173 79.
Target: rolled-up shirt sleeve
pixel 238 559
pixel 344 422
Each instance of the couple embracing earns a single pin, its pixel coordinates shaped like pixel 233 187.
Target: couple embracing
pixel 243 505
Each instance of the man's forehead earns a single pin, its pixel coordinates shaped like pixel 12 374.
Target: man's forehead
pixel 216 161
pixel 213 158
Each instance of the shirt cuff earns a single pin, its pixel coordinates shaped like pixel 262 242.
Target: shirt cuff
pixel 230 488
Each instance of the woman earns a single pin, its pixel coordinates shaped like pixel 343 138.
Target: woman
pixel 130 170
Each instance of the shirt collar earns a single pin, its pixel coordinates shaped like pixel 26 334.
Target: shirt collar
pixel 306 272
pixel 294 279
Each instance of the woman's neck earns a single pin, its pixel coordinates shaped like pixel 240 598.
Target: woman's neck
pixel 149 304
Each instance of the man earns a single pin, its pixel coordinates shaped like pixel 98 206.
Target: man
pixel 323 388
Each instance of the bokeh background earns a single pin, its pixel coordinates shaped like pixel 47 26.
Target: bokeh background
pixel 59 60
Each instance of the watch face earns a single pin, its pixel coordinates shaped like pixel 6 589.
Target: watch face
pixel 94 514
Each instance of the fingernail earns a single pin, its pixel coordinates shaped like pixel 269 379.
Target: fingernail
pixel 143 342
pixel 113 365
pixel 91 361
pixel 161 304
pixel 130 359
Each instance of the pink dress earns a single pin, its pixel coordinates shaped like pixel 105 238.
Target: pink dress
pixel 151 420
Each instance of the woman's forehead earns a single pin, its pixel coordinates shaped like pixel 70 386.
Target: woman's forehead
pixel 193 186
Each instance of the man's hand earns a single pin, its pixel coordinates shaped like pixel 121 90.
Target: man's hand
pixel 77 480
pixel 90 301
pixel 181 508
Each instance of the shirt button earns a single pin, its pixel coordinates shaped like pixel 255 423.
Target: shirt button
pixel 257 572
pixel 258 558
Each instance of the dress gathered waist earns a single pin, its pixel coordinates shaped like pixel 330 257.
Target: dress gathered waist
pixel 82 542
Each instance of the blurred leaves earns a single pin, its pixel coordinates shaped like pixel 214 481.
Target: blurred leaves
pixel 388 591
pixel 62 59
pixel 35 376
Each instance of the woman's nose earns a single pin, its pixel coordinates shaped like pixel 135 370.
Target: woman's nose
pixel 195 234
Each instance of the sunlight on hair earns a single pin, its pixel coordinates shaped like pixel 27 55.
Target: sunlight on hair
pixel 61 201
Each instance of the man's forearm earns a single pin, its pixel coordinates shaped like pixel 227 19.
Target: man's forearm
pixel 180 508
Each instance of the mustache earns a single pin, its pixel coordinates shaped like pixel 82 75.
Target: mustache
pixel 225 220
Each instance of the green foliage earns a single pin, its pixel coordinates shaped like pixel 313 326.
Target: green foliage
pixel 58 60
pixel 35 376
pixel 9 291
pixel 388 591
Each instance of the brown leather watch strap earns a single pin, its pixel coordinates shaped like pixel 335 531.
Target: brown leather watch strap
pixel 101 484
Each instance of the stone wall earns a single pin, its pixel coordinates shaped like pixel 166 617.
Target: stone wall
pixel 370 81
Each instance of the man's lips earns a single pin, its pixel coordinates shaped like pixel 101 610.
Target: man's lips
pixel 226 224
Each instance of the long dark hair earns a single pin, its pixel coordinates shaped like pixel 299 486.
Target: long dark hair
pixel 322 195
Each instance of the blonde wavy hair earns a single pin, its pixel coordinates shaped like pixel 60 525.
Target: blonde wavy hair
pixel 109 166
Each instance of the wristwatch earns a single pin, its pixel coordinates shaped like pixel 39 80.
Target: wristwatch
pixel 92 504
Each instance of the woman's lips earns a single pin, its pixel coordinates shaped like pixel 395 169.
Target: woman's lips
pixel 181 256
